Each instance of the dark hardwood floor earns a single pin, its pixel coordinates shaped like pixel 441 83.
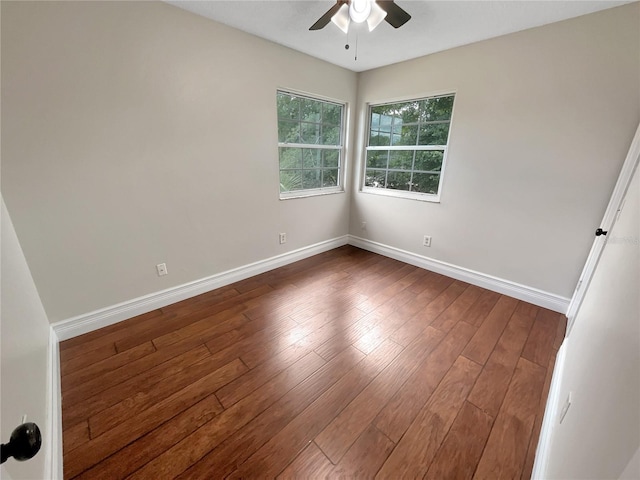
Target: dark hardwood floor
pixel 347 364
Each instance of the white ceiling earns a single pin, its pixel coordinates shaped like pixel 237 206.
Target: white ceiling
pixel 434 26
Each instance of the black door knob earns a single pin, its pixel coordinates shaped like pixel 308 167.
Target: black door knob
pixel 599 232
pixel 24 443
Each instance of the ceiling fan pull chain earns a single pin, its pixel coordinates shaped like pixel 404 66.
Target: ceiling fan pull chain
pixel 356 58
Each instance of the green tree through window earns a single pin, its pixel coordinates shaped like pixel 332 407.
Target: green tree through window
pixel 407 144
pixel 310 144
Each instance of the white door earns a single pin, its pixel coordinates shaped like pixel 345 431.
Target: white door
pixel 597 433
pixel 25 372
pixel 609 219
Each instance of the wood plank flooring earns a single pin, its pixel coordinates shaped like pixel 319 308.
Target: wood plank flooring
pixel 344 365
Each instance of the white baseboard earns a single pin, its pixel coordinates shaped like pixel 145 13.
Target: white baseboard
pixel 506 287
pixel 550 418
pixel 53 445
pixel 108 316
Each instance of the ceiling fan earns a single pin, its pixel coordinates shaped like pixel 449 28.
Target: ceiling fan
pixel 345 11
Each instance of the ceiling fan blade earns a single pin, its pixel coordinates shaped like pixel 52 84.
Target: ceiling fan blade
pixel 326 18
pixel 396 16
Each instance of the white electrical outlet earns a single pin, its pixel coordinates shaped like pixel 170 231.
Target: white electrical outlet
pixel 162 269
pixel 565 407
pixel 426 241
pixel 364 225
pixel 283 238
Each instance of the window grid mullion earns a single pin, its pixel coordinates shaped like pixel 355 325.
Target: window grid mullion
pixel 404 147
pixel 413 167
pixel 309 145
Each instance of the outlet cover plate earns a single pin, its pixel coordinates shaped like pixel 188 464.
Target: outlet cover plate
pixel 565 407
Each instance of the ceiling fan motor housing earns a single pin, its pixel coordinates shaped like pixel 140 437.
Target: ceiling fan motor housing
pixel 359 10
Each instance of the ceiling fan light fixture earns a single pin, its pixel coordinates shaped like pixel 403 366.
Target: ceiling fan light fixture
pixel 341 18
pixel 359 10
pixel 345 11
pixel 376 16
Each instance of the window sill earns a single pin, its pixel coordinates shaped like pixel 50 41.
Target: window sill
pixel 310 193
pixel 421 197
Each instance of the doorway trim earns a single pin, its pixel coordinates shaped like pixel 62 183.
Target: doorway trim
pixel 610 216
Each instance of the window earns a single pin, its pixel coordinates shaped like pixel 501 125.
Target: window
pixel 310 145
pixel 407 147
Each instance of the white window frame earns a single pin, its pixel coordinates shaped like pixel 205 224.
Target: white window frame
pixel 425 197
pixel 312 192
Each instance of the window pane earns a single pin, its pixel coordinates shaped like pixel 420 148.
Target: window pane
pixel 396 128
pixel 311 178
pixel 311 158
pixel 290 180
pixel 331 158
pixel 330 178
pixel 401 159
pixel 375 178
pixel 311 111
pixel 378 110
pixel 429 160
pixel 375 121
pixel 426 182
pixel 410 112
pixel 379 139
pixel 377 158
pixel 290 158
pixel 330 135
pixel 409 136
pixel 389 111
pixel 331 114
pixel 288 107
pixel 435 134
pixel 437 108
pixel 399 180
pixel 385 123
pixel 310 133
pixel 288 132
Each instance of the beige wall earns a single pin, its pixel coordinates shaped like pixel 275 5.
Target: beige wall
pixel 632 471
pixel 136 133
pixel 542 122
